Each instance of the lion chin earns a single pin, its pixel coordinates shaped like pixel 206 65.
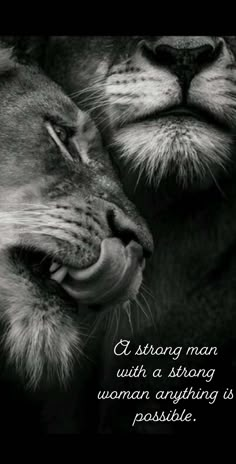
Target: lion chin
pixel 191 152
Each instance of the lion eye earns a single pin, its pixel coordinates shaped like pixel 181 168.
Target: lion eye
pixel 61 138
pixel 67 142
pixel 61 133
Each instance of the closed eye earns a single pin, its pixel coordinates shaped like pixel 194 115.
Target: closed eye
pixel 61 138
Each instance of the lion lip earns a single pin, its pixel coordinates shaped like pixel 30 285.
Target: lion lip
pixel 189 111
pixel 197 112
pixel 112 278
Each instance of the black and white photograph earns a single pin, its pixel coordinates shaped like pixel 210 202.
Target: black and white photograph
pixel 117 234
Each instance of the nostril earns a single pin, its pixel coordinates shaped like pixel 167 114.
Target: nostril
pixel 125 234
pixel 125 223
pixel 165 55
pixel 204 55
pixel 218 50
pixel 126 230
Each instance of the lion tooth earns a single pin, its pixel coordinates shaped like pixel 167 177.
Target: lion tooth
pixel 60 274
pixel 54 266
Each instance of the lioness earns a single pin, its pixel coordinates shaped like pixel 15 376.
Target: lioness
pixel 70 241
pixel 166 109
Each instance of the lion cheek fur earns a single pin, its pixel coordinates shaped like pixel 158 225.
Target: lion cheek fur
pixel 41 341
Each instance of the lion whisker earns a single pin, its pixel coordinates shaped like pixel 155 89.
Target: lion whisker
pixel 95 85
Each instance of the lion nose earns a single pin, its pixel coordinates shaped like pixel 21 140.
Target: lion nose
pixel 124 229
pixel 128 230
pixel 128 226
pixel 184 57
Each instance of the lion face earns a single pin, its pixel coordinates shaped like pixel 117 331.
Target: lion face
pixel 69 239
pixel 166 105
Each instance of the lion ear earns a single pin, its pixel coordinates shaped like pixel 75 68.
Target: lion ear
pixel 7 61
pixel 27 49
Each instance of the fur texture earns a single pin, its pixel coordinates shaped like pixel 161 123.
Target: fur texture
pixel 180 171
pixel 55 199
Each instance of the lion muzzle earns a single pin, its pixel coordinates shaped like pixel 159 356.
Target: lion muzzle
pixel 117 272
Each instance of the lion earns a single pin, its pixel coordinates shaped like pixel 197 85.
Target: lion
pixel 71 244
pixel 165 106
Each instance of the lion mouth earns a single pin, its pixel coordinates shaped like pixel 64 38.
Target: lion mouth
pixel 183 112
pixel 114 278
pixel 109 280
pixel 111 273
